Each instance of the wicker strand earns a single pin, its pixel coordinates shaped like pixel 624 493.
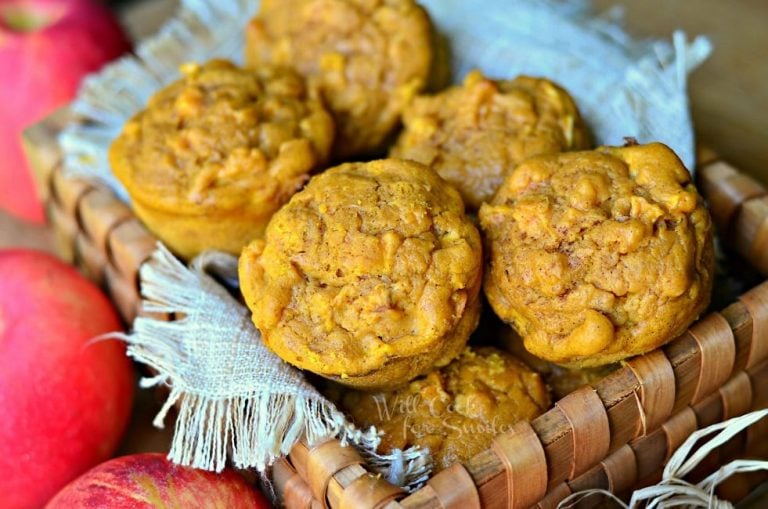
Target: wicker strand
pixel 525 465
pixel 324 461
pixel 718 352
pixel 455 489
pixel 370 492
pixel 726 189
pixel 736 395
pixel 620 469
pixel 673 490
pixel 590 430
pixel 657 388
pixel 756 302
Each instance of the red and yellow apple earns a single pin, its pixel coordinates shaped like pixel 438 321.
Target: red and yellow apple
pixel 46 47
pixel 65 400
pixel 150 481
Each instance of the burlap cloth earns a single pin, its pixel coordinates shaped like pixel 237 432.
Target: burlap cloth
pixel 236 401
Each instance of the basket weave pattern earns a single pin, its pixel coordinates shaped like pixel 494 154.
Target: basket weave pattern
pixel 615 435
pixel 99 234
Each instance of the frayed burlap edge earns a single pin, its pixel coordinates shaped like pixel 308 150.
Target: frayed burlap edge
pixel 254 419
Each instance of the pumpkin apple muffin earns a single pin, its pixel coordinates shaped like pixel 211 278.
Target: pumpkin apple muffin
pixel 473 135
pixel 455 411
pixel 598 256
pixel 561 380
pixel 370 275
pixel 367 58
pixel 217 152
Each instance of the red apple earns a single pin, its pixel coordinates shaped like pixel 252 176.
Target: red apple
pixel 149 481
pixel 46 47
pixel 64 400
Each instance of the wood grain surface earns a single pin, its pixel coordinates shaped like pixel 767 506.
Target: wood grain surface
pixel 729 92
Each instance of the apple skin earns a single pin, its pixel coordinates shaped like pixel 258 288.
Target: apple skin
pixel 41 70
pixel 65 401
pixel 149 481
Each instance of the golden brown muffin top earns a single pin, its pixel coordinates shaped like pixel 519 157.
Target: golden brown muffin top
pixel 370 262
pixel 597 256
pixel 473 135
pixel 455 411
pixel 368 58
pixel 223 137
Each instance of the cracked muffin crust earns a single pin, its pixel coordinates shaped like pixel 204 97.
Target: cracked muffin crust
pixel 367 58
pixel 370 275
pixel 455 411
pixel 473 135
pixel 598 256
pixel 217 152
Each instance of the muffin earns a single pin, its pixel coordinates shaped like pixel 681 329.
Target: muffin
pixel 370 275
pixel 598 256
pixel 367 58
pixel 561 380
pixel 455 411
pixel 217 152
pixel 473 135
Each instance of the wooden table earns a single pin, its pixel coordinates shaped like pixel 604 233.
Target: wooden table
pixel 729 92
pixel 729 96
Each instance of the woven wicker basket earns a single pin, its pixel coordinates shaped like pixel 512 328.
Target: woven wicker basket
pixel 615 435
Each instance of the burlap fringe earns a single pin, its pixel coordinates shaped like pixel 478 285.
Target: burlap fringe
pixel 409 469
pixel 252 429
pixel 673 490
